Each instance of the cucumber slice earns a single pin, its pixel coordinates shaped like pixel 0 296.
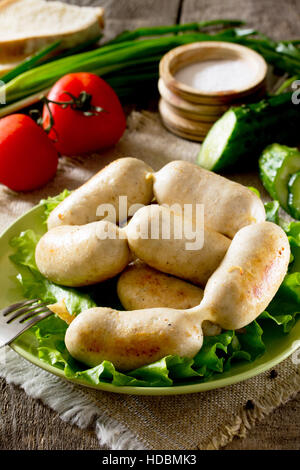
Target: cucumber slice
pixel 216 141
pixel 277 164
pixel 294 196
pixel 244 131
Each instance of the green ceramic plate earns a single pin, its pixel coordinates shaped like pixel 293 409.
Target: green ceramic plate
pixel 278 345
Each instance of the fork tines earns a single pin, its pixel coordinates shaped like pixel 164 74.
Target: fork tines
pixel 19 317
pixel 25 310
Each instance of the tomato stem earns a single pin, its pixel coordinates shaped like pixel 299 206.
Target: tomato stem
pixel 82 103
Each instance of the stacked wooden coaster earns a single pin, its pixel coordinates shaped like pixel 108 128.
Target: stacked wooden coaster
pixel 200 81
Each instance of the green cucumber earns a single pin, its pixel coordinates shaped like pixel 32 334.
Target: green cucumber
pixel 294 196
pixel 243 132
pixel 277 164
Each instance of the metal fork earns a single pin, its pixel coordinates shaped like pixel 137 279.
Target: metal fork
pixel 18 317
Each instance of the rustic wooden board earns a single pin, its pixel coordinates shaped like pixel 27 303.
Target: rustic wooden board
pixel 276 19
pixel 130 14
pixel 28 424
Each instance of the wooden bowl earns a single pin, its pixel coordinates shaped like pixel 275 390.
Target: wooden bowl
pixel 189 129
pixel 190 112
pixel 198 112
pixel 185 55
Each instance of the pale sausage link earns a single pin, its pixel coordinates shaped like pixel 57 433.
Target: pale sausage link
pixel 228 206
pixel 128 177
pixel 79 255
pixel 172 255
pixel 140 286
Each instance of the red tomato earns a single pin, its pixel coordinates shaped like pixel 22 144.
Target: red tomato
pixel 28 158
pixel 74 132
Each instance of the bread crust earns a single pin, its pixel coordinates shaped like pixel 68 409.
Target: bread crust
pixel 15 48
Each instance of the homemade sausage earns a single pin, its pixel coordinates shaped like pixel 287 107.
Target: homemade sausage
pixel 248 277
pixel 124 177
pixel 131 339
pixel 81 255
pixel 170 255
pixel 239 291
pixel 140 286
pixel 228 206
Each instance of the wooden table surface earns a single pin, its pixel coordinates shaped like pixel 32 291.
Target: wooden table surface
pixel 28 424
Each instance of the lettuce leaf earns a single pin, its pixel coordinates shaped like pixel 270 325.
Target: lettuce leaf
pixel 217 354
pixel 293 232
pixel 272 211
pixel 285 306
pixel 51 202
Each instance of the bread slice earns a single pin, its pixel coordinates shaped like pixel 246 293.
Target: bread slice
pixel 28 25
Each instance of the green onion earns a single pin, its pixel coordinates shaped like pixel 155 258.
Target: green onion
pixel 41 56
pixel 286 84
pixel 28 63
pixel 101 61
pixel 130 60
pixel 84 46
pixel 123 81
pixel 280 60
pixel 176 28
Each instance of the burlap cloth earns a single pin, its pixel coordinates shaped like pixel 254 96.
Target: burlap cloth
pixel 204 420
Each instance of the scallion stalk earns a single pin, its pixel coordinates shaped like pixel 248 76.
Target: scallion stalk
pixel 101 61
pixel 129 60
pixel 286 84
pixel 30 62
pixel 176 28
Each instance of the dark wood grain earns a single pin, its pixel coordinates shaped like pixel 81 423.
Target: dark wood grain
pixel 130 14
pixel 275 18
pixel 28 424
pixel 280 430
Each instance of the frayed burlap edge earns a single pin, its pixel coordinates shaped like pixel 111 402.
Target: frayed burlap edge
pixel 248 418
pixel 69 401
